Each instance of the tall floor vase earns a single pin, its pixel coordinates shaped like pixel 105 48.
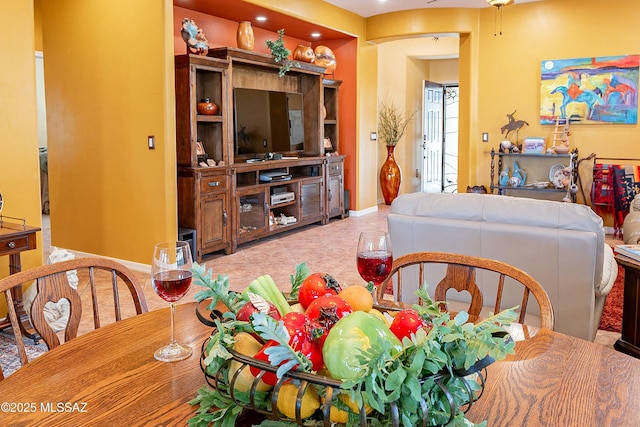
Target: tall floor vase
pixel 390 177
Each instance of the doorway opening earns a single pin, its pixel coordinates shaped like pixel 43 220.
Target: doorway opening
pixel 440 138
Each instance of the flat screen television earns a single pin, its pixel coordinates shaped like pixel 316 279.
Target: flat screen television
pixel 267 121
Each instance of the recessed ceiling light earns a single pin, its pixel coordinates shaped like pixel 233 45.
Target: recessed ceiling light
pixel 315 34
pixel 261 18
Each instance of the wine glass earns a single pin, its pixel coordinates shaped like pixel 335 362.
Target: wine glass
pixel 374 258
pixel 171 278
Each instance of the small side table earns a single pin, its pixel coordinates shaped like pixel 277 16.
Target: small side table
pixel 14 239
pixel 629 341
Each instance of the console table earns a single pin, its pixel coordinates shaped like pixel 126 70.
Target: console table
pixel 629 341
pixel 15 239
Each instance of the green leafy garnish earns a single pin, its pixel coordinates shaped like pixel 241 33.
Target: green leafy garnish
pixel 302 272
pixel 217 289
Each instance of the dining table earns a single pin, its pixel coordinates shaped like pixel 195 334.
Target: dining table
pixel 109 377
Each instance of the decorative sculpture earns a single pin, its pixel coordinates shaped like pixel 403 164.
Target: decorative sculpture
pixel 512 125
pixel 194 37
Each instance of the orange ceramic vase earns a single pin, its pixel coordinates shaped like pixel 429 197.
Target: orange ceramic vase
pixel 245 35
pixel 390 177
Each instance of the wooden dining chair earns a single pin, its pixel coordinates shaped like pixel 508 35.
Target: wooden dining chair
pixel 52 282
pixel 461 275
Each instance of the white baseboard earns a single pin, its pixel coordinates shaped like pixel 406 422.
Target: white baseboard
pixel 135 266
pixel 362 212
pixel 608 230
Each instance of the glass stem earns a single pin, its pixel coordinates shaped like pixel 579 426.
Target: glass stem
pixel 173 315
pixel 375 293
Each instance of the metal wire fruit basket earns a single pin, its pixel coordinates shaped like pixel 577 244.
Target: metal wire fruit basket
pixel 224 381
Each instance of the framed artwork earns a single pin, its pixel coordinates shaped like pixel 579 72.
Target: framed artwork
pixel 597 90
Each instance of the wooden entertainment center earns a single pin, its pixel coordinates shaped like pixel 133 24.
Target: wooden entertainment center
pixel 230 198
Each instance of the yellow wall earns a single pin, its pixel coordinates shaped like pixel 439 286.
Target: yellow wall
pixel 109 78
pixel 402 84
pixel 19 163
pixel 109 82
pixel 500 74
pixel 510 78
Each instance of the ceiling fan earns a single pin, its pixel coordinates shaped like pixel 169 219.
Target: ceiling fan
pixel 496 3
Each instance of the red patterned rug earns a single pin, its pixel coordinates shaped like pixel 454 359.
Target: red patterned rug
pixel 612 313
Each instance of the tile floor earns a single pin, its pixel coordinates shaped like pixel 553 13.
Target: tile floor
pixel 328 248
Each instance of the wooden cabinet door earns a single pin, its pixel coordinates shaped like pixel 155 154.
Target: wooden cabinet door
pixel 213 216
pixel 335 195
pixel 311 200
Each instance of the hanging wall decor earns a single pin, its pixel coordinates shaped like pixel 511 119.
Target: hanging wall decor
pixel 598 90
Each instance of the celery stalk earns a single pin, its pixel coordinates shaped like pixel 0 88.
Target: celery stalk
pixel 273 294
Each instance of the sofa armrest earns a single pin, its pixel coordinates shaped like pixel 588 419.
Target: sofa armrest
pixel 609 273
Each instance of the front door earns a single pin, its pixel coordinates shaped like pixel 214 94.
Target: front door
pixel 432 137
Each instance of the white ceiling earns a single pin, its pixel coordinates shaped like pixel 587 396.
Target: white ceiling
pixel 368 8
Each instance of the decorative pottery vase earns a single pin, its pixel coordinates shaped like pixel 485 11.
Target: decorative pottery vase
pixel 304 53
pixel 244 37
pixel 504 177
pixel 390 177
pixel 325 58
pixel 206 107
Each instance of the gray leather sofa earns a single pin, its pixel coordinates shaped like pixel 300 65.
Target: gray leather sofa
pixel 562 245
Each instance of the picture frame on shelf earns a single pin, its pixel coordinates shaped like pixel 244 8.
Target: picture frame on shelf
pixel 534 145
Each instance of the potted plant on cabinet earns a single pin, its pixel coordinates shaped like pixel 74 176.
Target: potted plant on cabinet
pixel 392 124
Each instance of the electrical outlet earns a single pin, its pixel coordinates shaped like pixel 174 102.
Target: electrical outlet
pixel 151 142
pixel 485 136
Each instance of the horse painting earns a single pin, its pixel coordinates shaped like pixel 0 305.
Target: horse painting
pixel 512 125
pixel 614 86
pixel 590 90
pixel 589 97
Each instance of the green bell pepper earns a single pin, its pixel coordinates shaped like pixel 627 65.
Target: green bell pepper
pixel 352 333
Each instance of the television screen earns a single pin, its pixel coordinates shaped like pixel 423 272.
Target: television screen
pixel 267 121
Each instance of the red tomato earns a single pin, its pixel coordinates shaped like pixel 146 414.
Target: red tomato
pixel 247 310
pixel 326 311
pixel 407 322
pixel 303 337
pixel 317 285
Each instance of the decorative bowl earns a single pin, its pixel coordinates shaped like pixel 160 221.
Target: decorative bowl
pixel 561 149
pixel 541 184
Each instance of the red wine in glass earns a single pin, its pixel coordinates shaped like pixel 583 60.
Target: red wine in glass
pixel 172 285
pixel 374 266
pixel 171 278
pixel 374 258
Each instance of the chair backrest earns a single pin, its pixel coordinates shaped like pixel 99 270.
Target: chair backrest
pixel 97 276
pixel 461 275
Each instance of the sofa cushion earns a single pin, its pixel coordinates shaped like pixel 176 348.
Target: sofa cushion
pixel 561 245
pixel 491 208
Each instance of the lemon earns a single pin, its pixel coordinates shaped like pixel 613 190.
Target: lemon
pixel 287 401
pixel 378 313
